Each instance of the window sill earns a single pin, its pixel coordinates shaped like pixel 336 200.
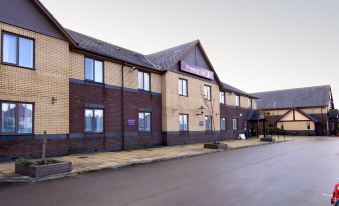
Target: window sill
pixel 144 133
pixel 15 65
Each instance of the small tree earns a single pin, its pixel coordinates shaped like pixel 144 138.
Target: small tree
pixel 211 110
pixel 44 143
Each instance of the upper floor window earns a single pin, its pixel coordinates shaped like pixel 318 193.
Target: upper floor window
pixel 17 50
pixel 94 70
pixel 183 122
pixel 183 89
pixel 222 97
pixel 223 123
pixel 94 120
pixel 207 92
pixel 250 103
pixel 144 81
pixel 208 123
pixel 237 100
pixel 16 118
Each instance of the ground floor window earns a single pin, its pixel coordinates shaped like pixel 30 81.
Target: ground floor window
pixel 94 120
pixel 183 121
pixel 16 118
pixel 208 123
pixel 144 121
pixel 235 124
pixel 223 123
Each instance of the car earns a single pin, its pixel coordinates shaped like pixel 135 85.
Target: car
pixel 335 196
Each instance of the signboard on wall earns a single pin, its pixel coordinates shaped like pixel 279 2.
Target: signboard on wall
pixel 196 70
pixel 131 122
pixel 201 123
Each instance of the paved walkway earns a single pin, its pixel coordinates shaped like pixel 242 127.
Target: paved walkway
pixel 87 162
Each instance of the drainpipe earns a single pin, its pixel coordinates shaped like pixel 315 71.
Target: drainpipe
pixel 122 108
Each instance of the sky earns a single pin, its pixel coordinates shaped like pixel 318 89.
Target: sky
pixel 254 45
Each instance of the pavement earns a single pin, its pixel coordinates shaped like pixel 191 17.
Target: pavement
pixel 297 173
pixel 89 162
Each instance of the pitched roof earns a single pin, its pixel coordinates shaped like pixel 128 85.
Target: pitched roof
pixel 294 98
pixel 168 58
pixel 235 90
pixel 99 47
pixel 31 15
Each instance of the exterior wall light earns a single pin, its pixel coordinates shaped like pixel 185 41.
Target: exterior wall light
pixel 54 100
pixel 201 110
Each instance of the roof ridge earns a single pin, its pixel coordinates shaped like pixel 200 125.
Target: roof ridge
pixel 296 88
pixel 104 41
pixel 180 45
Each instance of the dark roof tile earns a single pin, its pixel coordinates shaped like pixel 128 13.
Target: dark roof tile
pixel 97 46
pixel 294 98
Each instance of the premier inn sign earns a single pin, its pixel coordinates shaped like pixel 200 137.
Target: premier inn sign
pixel 196 70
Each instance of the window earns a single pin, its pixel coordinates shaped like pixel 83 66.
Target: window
pixel 250 103
pixel 237 100
pixel 222 97
pixel 16 118
pixel 208 123
pixel 183 90
pixel 144 121
pixel 17 50
pixel 144 81
pixel 223 123
pixel 207 92
pixel 94 120
pixel 235 124
pixel 183 121
pixel 94 70
pixel 308 125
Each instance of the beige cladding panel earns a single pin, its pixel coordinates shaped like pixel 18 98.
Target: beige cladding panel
pixel 173 104
pixel 230 98
pixel 50 78
pixel 297 125
pixel 299 116
pixel 243 102
pixel 315 110
pixel 288 117
pixel 254 103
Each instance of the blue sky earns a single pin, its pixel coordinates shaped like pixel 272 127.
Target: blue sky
pixel 255 45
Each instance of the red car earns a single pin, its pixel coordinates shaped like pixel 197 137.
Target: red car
pixel 335 197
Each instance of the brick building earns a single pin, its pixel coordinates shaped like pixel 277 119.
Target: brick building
pixel 300 111
pixel 90 95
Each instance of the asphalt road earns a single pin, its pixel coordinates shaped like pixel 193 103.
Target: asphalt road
pixel 299 172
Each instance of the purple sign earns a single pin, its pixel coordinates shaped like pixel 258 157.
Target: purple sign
pixel 131 122
pixel 201 123
pixel 196 70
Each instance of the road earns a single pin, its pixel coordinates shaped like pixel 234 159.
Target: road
pixel 299 172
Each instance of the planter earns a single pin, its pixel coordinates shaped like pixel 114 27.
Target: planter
pixel 36 170
pixel 267 139
pixel 218 146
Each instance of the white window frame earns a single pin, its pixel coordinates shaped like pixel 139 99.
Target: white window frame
pixel 142 83
pixel 235 124
pixel 183 87
pixel 237 100
pixel 223 119
pixel 222 98
pixel 208 92
pixel 183 118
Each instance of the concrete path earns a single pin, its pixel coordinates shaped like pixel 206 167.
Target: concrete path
pixel 111 160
